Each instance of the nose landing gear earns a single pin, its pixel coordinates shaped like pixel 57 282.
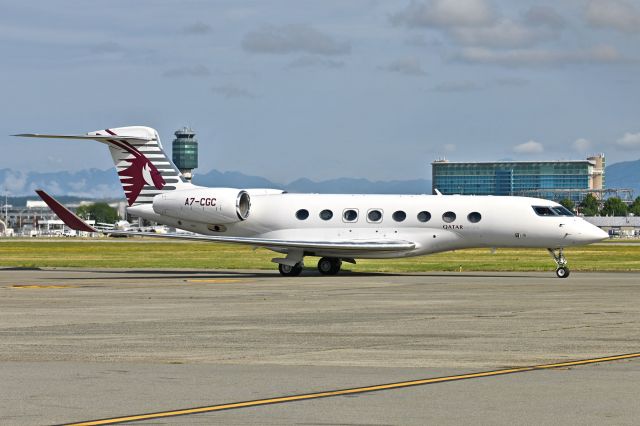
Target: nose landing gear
pixel 562 271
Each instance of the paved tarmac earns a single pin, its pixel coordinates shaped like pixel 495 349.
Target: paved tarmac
pixel 87 344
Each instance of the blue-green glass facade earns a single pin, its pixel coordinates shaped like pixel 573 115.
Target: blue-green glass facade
pixel 546 178
pixel 185 149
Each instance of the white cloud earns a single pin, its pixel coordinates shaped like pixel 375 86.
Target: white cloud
pixel 521 57
pixel 293 38
pixel 511 81
pixel 229 92
pixel 505 33
pixel 198 28
pixel 315 62
pixel 474 23
pixel 418 40
pixel 15 182
pixel 531 147
pixel 619 15
pixel 106 47
pixel 444 14
pixel 407 66
pixel 544 16
pixel 630 141
pixel 449 147
pixel 581 145
pixel 458 86
pixel 78 185
pixel 188 71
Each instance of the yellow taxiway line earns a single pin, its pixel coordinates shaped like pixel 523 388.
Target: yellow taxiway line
pixel 350 391
pixel 41 286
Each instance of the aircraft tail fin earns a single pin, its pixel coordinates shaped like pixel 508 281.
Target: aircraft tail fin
pixel 143 167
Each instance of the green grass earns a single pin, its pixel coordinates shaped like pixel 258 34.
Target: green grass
pixel 112 253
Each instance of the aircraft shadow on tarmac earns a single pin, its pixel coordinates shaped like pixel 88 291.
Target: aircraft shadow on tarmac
pixel 308 273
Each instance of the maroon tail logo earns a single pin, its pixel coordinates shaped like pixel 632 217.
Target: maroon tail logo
pixel 141 171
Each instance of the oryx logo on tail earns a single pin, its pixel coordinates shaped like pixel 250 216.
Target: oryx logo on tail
pixel 140 172
pixel 143 167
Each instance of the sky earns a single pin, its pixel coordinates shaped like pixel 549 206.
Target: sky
pixel 324 89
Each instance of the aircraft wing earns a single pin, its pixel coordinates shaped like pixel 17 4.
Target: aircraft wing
pixel 74 222
pixel 353 245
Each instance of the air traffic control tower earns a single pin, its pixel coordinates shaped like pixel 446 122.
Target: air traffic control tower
pixel 185 151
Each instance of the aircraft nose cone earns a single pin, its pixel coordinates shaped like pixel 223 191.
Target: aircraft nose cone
pixel 602 235
pixel 593 234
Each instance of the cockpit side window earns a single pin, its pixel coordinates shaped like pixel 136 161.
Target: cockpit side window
pixel 562 211
pixel 543 211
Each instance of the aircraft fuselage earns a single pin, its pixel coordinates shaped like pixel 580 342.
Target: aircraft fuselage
pixel 435 223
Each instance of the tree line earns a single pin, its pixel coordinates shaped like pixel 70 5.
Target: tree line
pixel 613 206
pixel 100 212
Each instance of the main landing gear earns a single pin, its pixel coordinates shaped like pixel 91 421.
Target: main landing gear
pixel 290 271
pixel 562 271
pixel 292 265
pixel 329 265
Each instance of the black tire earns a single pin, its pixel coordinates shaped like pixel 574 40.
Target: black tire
pixel 329 265
pixel 290 271
pixel 562 272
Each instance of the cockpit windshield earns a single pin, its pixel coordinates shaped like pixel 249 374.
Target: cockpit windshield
pixel 543 211
pixel 552 211
pixel 562 211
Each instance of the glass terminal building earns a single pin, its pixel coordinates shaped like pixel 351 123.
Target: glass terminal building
pixel 545 179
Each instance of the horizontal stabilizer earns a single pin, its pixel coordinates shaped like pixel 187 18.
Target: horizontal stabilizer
pixel 67 216
pixel 100 138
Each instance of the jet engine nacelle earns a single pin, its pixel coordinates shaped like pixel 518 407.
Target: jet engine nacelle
pixel 205 205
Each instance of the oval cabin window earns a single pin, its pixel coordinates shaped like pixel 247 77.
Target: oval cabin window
pixel 399 216
pixel 350 215
pixel 424 216
pixel 449 217
pixel 374 216
pixel 474 217
pixel 326 214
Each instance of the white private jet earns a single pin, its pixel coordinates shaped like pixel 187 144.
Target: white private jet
pixel 337 228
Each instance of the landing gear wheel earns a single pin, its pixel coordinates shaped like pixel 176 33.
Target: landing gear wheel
pixel 329 265
pixel 562 272
pixel 290 271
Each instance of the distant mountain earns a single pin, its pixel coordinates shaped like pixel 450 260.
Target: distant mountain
pixel 624 175
pixel 361 186
pixel 103 184
pixel 90 183
pixel 233 180
pixel 333 186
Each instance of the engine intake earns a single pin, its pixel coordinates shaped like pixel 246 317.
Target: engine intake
pixel 243 205
pixel 215 206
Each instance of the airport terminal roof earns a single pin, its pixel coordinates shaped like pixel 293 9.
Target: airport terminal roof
pixel 615 221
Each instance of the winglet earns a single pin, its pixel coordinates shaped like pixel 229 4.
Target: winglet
pixel 66 215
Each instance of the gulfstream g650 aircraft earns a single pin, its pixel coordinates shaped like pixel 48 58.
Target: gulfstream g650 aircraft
pixel 337 228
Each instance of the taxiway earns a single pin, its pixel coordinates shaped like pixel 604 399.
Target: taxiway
pixel 88 344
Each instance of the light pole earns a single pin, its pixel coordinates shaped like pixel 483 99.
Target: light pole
pixel 6 211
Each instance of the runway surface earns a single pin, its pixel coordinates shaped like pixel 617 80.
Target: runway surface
pixel 79 345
